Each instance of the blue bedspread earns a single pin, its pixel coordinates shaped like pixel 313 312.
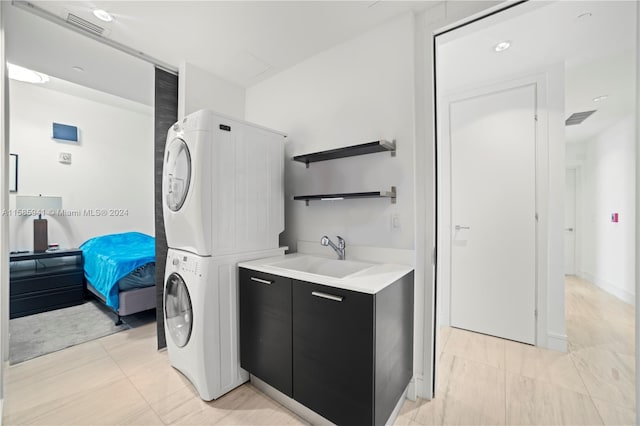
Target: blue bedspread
pixel 108 258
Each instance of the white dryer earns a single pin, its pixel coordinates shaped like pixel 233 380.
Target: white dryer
pixel 223 185
pixel 201 319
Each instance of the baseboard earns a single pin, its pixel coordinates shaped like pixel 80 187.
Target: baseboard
pixel 609 287
pixel 423 389
pixel 557 342
pixel 396 410
pixel 412 390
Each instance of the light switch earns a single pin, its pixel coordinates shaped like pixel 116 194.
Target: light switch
pixel 395 221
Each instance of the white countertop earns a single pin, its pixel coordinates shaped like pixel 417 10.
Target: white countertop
pixel 370 280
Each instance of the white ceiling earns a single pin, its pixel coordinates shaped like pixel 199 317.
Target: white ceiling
pixel 43 46
pixel 246 42
pixel 242 42
pixel 598 52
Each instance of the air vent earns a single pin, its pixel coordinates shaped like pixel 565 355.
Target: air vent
pixel 578 117
pixel 84 24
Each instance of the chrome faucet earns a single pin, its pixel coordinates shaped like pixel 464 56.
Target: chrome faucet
pixel 339 249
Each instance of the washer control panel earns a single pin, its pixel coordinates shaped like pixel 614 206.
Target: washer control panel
pixel 189 264
pixel 185 264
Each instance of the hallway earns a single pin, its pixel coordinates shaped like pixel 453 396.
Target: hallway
pixel 486 380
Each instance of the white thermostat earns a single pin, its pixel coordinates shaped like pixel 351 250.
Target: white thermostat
pixel 64 158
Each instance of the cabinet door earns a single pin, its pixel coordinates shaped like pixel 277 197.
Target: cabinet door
pixel 333 352
pixel 265 328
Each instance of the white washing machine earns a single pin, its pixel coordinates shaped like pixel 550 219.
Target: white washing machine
pixel 201 319
pixel 223 185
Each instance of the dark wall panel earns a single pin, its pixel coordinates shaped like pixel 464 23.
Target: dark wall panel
pixel 166 113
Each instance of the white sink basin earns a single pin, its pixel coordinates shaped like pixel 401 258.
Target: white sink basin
pixel 322 266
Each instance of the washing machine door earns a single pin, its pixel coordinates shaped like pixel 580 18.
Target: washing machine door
pixel 178 314
pixel 177 170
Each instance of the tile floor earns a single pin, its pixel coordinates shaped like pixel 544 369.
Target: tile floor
pixel 122 379
pixel 484 380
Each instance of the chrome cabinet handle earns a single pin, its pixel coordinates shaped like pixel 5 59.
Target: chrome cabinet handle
pixel 327 296
pixel 261 281
pixel 458 227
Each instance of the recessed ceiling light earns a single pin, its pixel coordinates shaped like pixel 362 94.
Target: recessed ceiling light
pixel 77 68
pixel 600 98
pixel 585 15
pixel 502 46
pixel 103 15
pixel 25 74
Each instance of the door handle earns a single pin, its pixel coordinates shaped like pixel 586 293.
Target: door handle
pixel 459 227
pixel 327 296
pixel 568 229
pixel 261 281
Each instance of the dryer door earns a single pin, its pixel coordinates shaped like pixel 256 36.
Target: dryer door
pixel 178 314
pixel 177 172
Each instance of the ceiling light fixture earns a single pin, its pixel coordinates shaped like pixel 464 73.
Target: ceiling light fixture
pixel 502 46
pixel 585 15
pixel 26 75
pixel 103 15
pixel 77 68
pixel 600 98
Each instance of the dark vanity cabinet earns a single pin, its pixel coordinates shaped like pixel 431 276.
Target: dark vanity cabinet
pixel 352 352
pixel 265 328
pixel 333 338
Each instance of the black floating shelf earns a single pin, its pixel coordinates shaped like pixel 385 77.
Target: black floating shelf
pixel 349 195
pixel 348 151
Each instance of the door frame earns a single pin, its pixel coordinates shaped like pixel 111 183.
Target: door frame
pixel 443 197
pixel 578 222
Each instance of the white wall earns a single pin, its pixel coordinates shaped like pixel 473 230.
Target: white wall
pixel 377 85
pixel 576 154
pixel 357 92
pixel 607 250
pixel 198 89
pixel 112 166
pixel 556 332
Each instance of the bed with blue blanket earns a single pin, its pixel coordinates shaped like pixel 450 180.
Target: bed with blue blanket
pixel 120 271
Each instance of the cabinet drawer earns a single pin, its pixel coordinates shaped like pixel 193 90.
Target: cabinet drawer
pixel 333 347
pixel 265 328
pixel 43 301
pixel 22 286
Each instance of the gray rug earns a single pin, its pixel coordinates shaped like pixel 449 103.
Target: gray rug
pixel 47 332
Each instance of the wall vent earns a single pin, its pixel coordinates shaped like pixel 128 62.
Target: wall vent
pixel 84 24
pixel 578 117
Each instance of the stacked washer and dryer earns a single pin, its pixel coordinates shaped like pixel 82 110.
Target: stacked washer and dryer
pixel 223 203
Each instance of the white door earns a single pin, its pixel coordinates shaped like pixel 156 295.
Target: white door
pixel 570 223
pixel 493 240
